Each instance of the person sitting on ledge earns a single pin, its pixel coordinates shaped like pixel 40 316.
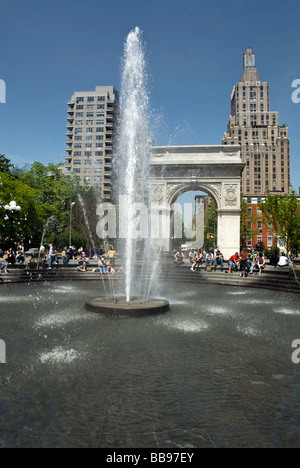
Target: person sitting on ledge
pixel 178 257
pixel 198 261
pixel 111 268
pixel 261 263
pixel 284 261
pixel 218 259
pixel 209 259
pixel 243 264
pixel 102 267
pixel 82 262
pixel 233 262
pixel 3 267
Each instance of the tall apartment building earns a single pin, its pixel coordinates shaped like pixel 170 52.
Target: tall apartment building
pixel 265 145
pixel 90 127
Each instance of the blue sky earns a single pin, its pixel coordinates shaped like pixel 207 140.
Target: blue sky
pixel 194 55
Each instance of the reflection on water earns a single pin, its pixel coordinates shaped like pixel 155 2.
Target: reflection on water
pixel 215 371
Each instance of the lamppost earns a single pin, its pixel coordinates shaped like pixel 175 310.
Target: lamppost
pixel 11 210
pixel 70 239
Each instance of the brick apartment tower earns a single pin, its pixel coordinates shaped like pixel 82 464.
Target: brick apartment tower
pixel 90 129
pixel 265 145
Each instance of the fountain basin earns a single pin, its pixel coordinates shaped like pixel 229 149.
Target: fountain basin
pixel 137 307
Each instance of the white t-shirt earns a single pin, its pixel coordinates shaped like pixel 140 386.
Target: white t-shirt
pixel 283 260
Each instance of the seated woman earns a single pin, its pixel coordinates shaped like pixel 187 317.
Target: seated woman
pixel 198 261
pixel 261 263
pixel 11 256
pixel 20 258
pixel 111 268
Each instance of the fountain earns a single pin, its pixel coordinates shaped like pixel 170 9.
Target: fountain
pixel 132 167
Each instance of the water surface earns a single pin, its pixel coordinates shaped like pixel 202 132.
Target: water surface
pixel 215 371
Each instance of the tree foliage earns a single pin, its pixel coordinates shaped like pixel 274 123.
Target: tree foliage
pixel 283 212
pixel 5 164
pixel 44 193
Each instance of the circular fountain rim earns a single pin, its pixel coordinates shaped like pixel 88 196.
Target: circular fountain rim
pixel 118 306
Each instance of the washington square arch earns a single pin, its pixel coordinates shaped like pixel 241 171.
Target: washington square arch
pixel 215 170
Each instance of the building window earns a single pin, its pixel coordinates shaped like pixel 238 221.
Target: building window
pixel 269 241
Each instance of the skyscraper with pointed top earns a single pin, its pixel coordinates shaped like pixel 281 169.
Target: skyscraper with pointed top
pixel 265 145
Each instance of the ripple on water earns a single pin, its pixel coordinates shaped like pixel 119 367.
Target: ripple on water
pixel 287 311
pixel 236 293
pixel 219 310
pixel 248 330
pixel 186 326
pixel 60 355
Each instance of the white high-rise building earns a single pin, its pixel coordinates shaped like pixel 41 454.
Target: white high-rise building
pixel 90 129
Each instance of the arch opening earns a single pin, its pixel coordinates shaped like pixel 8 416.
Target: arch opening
pixel 199 216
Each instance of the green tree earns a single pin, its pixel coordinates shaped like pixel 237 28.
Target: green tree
pixel 5 165
pixel 282 211
pixel 22 226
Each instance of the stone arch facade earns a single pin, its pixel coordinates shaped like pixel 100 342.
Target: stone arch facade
pixel 215 170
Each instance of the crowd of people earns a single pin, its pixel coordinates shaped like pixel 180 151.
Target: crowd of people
pixel 245 262
pixel 199 257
